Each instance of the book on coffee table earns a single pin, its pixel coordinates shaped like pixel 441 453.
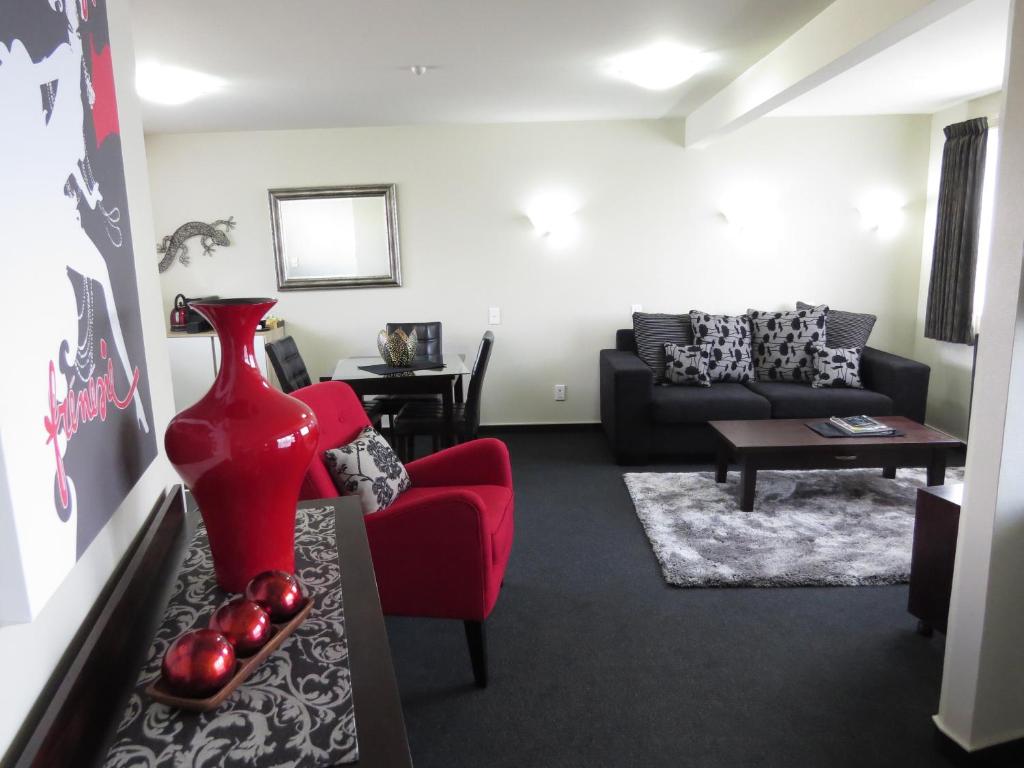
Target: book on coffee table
pixel 860 425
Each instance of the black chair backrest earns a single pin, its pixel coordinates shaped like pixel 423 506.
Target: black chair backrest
pixel 476 380
pixel 288 364
pixel 428 338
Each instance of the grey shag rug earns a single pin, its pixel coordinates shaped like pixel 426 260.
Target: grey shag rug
pixel 808 528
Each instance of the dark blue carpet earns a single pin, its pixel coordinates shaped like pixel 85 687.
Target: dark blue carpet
pixel 595 661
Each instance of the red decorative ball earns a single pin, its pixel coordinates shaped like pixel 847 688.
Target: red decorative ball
pixel 244 623
pixel 199 663
pixel 277 592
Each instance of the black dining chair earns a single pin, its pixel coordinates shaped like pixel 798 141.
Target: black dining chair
pixel 426 418
pixel 428 348
pixel 428 338
pixel 288 364
pixel 292 373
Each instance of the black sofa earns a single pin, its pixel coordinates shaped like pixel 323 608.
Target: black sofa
pixel 644 420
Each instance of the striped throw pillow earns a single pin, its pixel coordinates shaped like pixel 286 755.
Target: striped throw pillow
pixel 846 330
pixel 653 332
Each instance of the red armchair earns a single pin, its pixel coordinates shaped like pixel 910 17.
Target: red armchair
pixel 441 549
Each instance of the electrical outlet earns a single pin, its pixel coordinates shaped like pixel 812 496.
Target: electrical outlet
pixel 636 308
pixel 559 392
pixel 494 316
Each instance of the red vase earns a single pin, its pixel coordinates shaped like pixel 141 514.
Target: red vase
pixel 243 451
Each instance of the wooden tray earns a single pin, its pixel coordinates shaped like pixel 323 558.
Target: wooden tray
pixel 159 691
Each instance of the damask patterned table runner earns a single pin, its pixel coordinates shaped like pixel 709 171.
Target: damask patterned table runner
pixel 295 710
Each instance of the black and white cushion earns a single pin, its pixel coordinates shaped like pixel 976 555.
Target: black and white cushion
pixel 653 332
pixel 732 359
pixel 730 351
pixel 784 343
pixel 369 468
pixel 837 367
pixel 688 364
pixel 846 329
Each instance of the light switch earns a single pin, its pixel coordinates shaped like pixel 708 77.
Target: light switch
pixel 494 316
pixel 636 308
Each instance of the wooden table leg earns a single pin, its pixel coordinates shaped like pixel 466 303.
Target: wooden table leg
pixel 748 480
pixel 937 467
pixel 889 472
pixel 722 467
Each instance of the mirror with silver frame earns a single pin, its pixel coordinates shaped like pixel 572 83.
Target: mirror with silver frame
pixel 336 237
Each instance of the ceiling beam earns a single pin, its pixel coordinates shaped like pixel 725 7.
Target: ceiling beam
pixel 840 37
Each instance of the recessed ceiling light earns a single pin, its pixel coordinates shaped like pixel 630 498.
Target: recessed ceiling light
pixel 659 66
pixel 171 85
pixel 421 69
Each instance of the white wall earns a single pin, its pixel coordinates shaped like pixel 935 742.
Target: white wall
pixel 650 232
pixel 29 652
pixel 949 392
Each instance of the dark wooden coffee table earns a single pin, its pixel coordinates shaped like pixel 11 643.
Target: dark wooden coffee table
pixel 791 444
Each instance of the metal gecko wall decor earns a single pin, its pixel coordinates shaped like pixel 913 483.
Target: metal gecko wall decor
pixel 210 235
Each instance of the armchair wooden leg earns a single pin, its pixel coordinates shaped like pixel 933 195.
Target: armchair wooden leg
pixel 476 638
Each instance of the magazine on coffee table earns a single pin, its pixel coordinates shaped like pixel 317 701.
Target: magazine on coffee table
pixel 860 425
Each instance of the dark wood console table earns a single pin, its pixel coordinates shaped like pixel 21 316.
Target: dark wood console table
pixel 936 525
pixel 80 708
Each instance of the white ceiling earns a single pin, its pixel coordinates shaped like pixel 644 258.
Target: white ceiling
pixel 323 63
pixel 959 57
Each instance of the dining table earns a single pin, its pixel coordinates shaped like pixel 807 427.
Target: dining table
pixel 445 379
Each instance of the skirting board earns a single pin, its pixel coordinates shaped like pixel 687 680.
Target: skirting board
pixel 541 426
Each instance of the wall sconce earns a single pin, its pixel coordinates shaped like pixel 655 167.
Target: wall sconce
pixel 553 215
pixel 881 211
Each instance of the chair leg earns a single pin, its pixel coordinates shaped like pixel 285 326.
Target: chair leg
pixel 477 640
pixel 436 442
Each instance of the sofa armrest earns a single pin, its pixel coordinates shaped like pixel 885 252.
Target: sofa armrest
pixel 432 557
pixel 626 384
pixel 900 378
pixel 477 462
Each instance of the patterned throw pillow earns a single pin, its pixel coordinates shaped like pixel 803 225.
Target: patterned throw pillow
pixel 688 364
pixel 368 467
pixel 731 360
pixel 846 329
pixel 784 343
pixel 730 350
pixel 837 367
pixel 653 332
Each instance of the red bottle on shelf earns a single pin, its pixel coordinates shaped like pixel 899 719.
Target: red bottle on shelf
pixel 243 450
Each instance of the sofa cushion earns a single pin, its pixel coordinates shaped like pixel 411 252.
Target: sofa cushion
pixel 837 367
pixel 688 364
pixel 653 332
pixel 689 405
pixel 784 342
pixel 846 329
pixel 798 401
pixel 732 358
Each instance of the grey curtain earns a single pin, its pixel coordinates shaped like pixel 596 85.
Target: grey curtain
pixel 951 288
